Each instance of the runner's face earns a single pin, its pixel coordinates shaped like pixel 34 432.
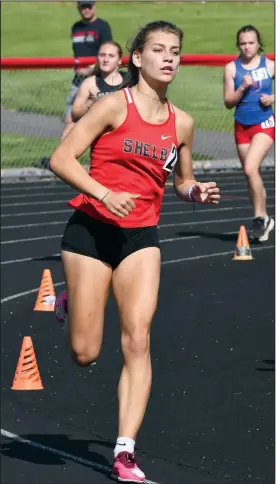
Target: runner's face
pixel 160 58
pixel 248 44
pixel 108 58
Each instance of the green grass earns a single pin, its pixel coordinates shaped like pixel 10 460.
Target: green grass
pixel 43 29
pixel 23 151
pixel 19 151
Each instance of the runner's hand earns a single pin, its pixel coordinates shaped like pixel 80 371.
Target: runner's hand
pixel 120 203
pixel 266 99
pixel 206 193
pixel 247 81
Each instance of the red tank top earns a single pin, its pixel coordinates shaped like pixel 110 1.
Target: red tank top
pixel 136 157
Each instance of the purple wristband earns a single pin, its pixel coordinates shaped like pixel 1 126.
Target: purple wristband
pixel 190 193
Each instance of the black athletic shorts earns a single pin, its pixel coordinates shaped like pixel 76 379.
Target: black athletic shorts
pixel 108 243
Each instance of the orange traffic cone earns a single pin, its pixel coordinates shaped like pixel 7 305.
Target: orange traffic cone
pixel 46 295
pixel 243 251
pixel 27 375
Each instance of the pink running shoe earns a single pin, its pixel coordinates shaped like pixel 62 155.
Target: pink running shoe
pixel 125 469
pixel 61 307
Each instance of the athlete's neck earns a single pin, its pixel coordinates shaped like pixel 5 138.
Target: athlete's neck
pixel 252 61
pixel 158 95
pixel 112 78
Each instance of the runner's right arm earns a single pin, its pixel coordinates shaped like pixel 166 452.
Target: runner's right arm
pixel 84 99
pixel 232 97
pixel 109 112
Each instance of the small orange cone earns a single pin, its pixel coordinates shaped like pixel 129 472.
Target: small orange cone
pixel 46 295
pixel 27 375
pixel 243 251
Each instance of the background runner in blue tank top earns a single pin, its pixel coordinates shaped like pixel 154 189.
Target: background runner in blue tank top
pixel 250 110
pixel 248 88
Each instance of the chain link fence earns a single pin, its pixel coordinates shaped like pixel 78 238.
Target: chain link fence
pixel 33 105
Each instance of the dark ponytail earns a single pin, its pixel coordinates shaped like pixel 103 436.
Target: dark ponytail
pixel 139 43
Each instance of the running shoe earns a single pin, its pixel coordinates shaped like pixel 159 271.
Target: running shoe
pixel 61 307
pixel 261 228
pixel 125 469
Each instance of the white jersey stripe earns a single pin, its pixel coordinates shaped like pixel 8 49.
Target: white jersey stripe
pixel 171 108
pixel 129 98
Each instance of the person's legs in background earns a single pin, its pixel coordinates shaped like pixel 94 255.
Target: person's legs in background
pixel 251 156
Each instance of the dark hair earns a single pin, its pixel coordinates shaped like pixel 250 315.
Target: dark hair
pixel 97 71
pixel 250 28
pixel 139 42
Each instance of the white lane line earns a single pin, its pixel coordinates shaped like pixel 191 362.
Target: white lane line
pixel 204 177
pixel 222 183
pixel 162 241
pixel 222 191
pixel 205 256
pixel 33 186
pixel 241 207
pixel 42 224
pixel 222 209
pixel 200 222
pixel 55 184
pixel 60 453
pixel 189 237
pixel 223 220
pixel 239 190
pixel 25 293
pixel 69 191
pixel 173 261
pixel 176 202
pixel 27 186
pixel 242 182
pixel 176 224
pixel 24 214
pixel 229 199
pixel 47 202
pixel 26 195
pixel 27 259
pixel 49 212
pixel 65 200
pixel 32 239
pixel 186 212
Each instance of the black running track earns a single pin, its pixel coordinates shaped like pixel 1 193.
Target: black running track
pixel 210 417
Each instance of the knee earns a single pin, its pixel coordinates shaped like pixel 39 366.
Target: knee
pixel 135 343
pixel 251 171
pixel 84 353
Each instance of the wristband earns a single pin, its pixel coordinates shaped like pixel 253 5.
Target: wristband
pixel 190 193
pixel 108 191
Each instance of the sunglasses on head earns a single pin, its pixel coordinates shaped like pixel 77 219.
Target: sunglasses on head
pixel 86 5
